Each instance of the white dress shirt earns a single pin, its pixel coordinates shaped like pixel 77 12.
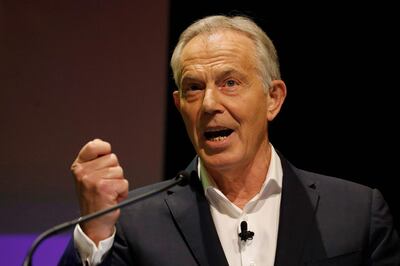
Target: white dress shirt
pixel 261 214
pixel 88 251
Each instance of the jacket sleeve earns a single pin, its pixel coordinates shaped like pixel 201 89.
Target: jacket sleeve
pixel 384 243
pixel 70 256
pixel 118 255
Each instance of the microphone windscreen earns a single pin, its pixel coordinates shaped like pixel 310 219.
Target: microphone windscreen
pixel 243 226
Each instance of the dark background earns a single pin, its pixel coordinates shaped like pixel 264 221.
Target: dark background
pixel 340 64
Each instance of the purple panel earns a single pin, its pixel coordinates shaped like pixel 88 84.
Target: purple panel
pixel 13 249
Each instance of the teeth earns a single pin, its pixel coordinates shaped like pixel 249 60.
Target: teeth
pixel 218 138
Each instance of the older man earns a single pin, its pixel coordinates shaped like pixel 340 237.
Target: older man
pixel 245 204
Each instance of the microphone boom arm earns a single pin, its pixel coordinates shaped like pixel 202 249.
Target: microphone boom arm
pixel 182 176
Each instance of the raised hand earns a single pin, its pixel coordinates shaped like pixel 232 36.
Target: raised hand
pixel 100 184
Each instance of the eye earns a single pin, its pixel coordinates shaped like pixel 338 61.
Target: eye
pixel 191 90
pixel 230 83
pixel 194 87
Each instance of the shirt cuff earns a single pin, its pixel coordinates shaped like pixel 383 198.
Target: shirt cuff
pixel 91 254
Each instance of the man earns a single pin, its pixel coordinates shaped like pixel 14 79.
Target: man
pixel 245 204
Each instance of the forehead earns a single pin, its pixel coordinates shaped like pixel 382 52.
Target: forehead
pixel 226 45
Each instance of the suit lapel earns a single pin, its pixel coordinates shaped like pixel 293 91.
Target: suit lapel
pixel 296 217
pixel 190 210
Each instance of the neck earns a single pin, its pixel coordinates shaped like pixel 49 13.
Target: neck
pixel 242 183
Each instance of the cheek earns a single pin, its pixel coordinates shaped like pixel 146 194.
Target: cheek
pixel 189 118
pixel 248 113
pixel 253 118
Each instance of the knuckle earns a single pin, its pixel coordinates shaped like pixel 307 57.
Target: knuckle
pixel 122 187
pixel 113 159
pixel 126 183
pixel 119 171
pixel 107 144
pixel 74 167
pixel 77 170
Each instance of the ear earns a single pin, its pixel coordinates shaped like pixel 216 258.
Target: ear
pixel 177 99
pixel 276 97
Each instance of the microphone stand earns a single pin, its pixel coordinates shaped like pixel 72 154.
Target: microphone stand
pixel 181 176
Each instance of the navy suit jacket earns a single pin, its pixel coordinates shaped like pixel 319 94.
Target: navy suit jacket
pixel 323 221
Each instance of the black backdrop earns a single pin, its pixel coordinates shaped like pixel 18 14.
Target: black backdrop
pixel 339 62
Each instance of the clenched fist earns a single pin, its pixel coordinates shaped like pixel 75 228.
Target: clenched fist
pixel 100 184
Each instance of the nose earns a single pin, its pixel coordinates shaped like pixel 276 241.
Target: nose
pixel 211 101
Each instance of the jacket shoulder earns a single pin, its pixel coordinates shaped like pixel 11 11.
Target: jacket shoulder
pixel 331 184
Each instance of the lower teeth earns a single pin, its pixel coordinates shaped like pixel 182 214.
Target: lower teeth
pixel 218 138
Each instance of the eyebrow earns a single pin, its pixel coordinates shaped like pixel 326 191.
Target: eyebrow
pixel 229 72
pixel 188 79
pixel 220 74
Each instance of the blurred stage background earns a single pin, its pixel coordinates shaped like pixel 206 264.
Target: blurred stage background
pixel 72 71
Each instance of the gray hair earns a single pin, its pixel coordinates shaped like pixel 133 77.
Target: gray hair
pixel 265 54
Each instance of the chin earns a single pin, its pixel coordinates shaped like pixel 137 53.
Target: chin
pixel 220 161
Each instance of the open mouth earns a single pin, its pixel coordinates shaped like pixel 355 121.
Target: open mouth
pixel 217 135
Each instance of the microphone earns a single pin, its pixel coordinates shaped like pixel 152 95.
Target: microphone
pixel 181 178
pixel 245 234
